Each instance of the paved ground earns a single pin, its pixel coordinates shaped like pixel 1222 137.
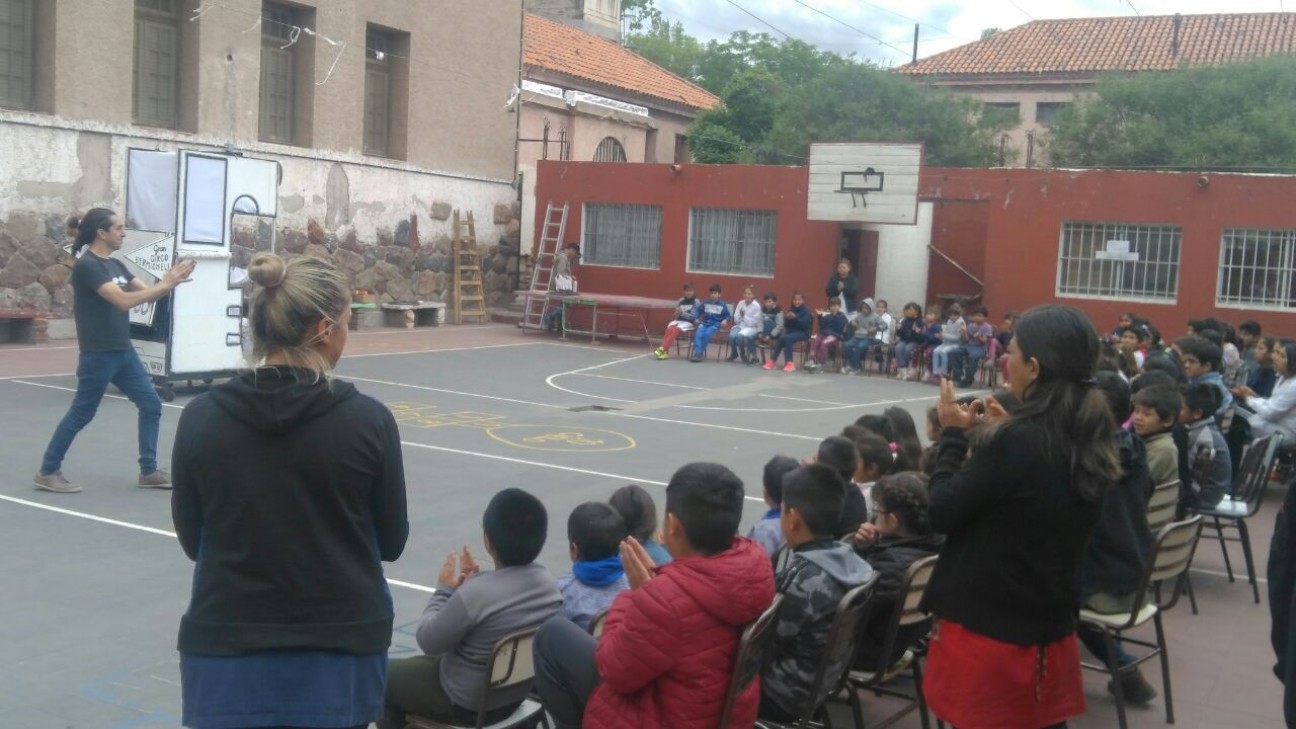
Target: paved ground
pixel 94 584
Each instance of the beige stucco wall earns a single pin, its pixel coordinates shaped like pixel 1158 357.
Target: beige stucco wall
pixel 464 61
pixel 1027 96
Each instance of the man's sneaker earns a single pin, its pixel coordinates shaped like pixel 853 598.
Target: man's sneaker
pixel 1135 688
pixel 156 480
pixel 789 367
pixel 660 353
pixel 55 482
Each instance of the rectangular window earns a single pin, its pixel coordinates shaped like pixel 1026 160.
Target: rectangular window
pixel 732 241
pixel 17 53
pixel 278 72
pixel 621 235
pixel 1008 111
pixel 157 62
pixel 1256 268
pixel 378 96
pixel 1114 260
pixel 1045 111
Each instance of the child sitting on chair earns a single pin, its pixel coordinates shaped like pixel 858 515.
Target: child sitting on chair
pixel 686 315
pixel 1156 411
pixel 771 323
pixel 768 532
pixel 668 645
pixel 636 506
pixel 595 532
pixel 832 327
pixel 819 573
pixel 470 611
pixel 711 314
pixel 748 321
pixel 1205 470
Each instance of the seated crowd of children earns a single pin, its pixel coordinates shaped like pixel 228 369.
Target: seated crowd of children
pixel 678 595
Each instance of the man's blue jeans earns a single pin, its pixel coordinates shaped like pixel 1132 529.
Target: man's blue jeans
pixel 95 370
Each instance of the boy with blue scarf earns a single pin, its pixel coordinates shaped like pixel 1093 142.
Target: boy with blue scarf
pixel 595 531
pixel 769 530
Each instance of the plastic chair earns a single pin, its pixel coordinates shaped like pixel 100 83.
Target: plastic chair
pixel 830 677
pixel 753 647
pixel 1233 510
pixel 1172 553
pixel 904 614
pixel 512 663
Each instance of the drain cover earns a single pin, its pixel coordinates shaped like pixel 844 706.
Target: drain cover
pixel 592 409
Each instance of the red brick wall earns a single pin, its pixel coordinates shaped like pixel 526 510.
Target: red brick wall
pixel 805 251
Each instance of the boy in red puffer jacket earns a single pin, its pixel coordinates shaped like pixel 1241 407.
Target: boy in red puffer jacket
pixel 668 645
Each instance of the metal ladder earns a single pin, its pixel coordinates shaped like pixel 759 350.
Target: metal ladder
pixel 552 232
pixel 469 294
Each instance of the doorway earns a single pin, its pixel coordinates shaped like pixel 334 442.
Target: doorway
pixel 860 248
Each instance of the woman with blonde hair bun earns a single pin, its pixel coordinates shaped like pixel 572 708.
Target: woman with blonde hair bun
pixel 289 495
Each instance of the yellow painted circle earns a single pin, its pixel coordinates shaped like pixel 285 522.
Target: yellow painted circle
pixel 555 439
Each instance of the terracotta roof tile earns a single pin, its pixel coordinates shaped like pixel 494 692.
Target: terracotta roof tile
pixel 559 48
pixel 1080 46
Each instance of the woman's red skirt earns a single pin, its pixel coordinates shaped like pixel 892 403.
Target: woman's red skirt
pixel 975 682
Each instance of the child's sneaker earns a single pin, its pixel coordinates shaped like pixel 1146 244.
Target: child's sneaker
pixel 789 367
pixel 849 370
pixel 769 364
pixel 156 480
pixel 660 353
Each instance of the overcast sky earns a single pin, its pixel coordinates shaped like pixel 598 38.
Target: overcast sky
pixel 944 24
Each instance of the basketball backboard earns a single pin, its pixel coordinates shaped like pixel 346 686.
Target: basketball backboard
pixel 864 182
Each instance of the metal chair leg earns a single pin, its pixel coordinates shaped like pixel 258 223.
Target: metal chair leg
pixel 1219 530
pixel 924 715
pixel 1113 668
pixel 1165 667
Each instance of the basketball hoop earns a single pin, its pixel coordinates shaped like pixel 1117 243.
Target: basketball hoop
pixel 859 183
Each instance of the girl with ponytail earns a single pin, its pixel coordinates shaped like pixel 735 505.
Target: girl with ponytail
pixel 1017 512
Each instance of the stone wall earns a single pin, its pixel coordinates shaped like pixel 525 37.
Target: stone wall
pixel 35 270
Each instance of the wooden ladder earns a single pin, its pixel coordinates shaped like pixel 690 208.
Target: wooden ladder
pixel 469 293
pixel 551 239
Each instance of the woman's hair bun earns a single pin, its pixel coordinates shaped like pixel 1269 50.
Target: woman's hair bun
pixel 73 224
pixel 267 269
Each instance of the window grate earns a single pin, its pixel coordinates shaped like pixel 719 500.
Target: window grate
pixel 621 235
pixel 278 73
pixel 1256 268
pixel 17 48
pixel 732 241
pixel 610 150
pixel 1116 260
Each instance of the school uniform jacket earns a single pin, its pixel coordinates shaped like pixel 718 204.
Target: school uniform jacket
pixel 668 647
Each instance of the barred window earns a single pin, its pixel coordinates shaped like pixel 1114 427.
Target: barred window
pixel 1116 260
pixel 621 235
pixel 377 114
pixel 157 62
pixel 1256 268
pixel 732 241
pixel 278 72
pixel 17 52
pixel 610 150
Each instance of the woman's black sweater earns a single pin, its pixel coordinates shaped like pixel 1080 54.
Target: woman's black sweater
pixel 1015 529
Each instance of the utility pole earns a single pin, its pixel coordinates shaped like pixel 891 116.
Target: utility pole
pixel 915 47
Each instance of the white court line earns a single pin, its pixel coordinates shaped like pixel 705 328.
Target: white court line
pixel 34 349
pixel 550 379
pixel 455 392
pixel 33 377
pixel 434 351
pixel 1220 573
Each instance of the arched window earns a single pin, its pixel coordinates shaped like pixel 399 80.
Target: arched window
pixel 610 150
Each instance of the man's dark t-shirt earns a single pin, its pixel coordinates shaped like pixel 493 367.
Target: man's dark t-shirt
pixel 101 327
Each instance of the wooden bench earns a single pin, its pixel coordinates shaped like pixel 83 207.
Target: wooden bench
pixel 421 314
pixel 24 326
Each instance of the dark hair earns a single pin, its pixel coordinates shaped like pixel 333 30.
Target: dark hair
pixel 1270 343
pixel 1007 401
pixel 973 311
pixel 707 499
pixel 1213 336
pixel 1072 416
pixel 1201 348
pixel 933 417
pixel 1202 397
pixel 954 310
pixel 881 302
pixel 688 286
pixel 817 493
pixel 912 305
pixel 1117 392
pixel 1289 348
pixel 1164 399
pixel 770 296
pixel 87 227
pixel 1140 333
pixel 636 507
pixel 904 495
pixel 772 478
pixel 906 433
pixel 516 524
pixel 839 453
pixel 715 288
pixel 879 425
pixel 873 451
pixel 1152 378
pixel 1200 325
pixel 834 302
pixel 1250 326
pixel 1011 316
pixel 597 530
pixel 1162 363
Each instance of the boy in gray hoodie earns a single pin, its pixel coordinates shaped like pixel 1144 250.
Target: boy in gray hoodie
pixel 820 572
pixel 867 327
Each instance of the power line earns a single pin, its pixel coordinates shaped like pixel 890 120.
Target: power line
pixel 906 17
pixel 848 25
pixel 1023 10
pixel 1136 10
pixel 759 19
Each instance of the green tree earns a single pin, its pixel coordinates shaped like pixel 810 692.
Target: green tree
pixel 713 143
pixel 1236 116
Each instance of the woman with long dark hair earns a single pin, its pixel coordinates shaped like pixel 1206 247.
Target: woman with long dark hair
pixel 1017 511
pixel 104 291
pixel 289 495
